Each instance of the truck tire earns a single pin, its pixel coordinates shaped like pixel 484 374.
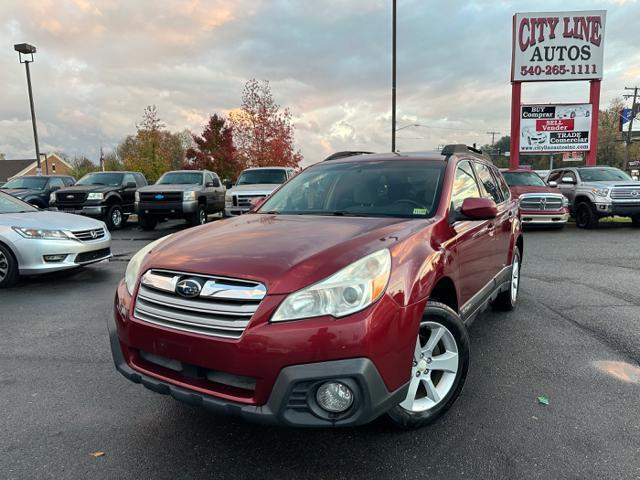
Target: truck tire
pixel 8 267
pixel 586 216
pixel 115 218
pixel 199 217
pixel 438 371
pixel 147 223
pixel 635 221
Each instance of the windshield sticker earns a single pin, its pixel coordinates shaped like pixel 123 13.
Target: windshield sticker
pixel 419 211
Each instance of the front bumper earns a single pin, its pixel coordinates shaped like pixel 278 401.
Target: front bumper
pixel 618 208
pixel 167 209
pixel 95 211
pixel 30 254
pixel 544 218
pixel 287 362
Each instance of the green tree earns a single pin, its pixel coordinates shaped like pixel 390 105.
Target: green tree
pixel 81 165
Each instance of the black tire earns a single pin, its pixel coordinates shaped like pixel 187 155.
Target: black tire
pixel 115 217
pixel 635 221
pixel 586 216
pixel 8 267
pixel 147 223
pixel 199 217
pixel 507 300
pixel 441 314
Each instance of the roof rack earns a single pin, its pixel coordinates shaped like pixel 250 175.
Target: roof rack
pixel 345 154
pixel 462 148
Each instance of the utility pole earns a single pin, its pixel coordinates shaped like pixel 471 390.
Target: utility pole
pixel 493 137
pixel 634 106
pixel 393 80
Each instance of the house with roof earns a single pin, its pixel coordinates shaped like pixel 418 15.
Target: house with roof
pixel 52 164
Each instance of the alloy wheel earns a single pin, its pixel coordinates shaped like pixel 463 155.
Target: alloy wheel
pixel 116 217
pixel 435 365
pixel 203 217
pixel 4 266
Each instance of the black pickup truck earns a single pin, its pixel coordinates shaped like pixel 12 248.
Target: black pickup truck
pixel 36 190
pixel 109 196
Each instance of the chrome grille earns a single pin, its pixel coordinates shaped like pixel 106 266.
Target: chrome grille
pixel 89 235
pixel 223 308
pixel 245 200
pixel 540 202
pixel 626 193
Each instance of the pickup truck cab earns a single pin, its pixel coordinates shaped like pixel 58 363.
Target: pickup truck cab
pixel 188 194
pixel 540 204
pixel 597 192
pixel 253 184
pixel 346 295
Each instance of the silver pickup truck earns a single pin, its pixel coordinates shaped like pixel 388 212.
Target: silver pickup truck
pixel 253 183
pixel 596 192
pixel 188 194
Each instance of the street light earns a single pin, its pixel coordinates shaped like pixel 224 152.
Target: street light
pixel 25 53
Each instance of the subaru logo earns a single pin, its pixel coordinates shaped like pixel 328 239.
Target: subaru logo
pixel 159 196
pixel 188 288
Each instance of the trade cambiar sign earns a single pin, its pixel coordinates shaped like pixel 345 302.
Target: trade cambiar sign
pixel 558 46
pixel 555 128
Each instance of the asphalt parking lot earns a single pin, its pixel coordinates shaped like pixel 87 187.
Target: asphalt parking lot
pixel 575 338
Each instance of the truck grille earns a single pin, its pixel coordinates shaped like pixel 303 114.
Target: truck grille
pixel 244 200
pixel 71 197
pixel 541 203
pixel 626 193
pixel 223 308
pixel 160 196
pixel 89 235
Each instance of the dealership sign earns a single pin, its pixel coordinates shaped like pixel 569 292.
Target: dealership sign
pixel 558 46
pixel 555 128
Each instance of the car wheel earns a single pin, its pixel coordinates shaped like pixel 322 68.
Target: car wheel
pixel 585 216
pixel 635 221
pixel 8 267
pixel 147 223
pixel 439 368
pixel 115 217
pixel 506 301
pixel 199 217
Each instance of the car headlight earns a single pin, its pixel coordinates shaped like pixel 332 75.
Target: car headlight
pixel 350 290
pixel 565 202
pixel 600 192
pixel 228 199
pixel 191 195
pixel 52 197
pixel 133 267
pixel 137 196
pixel 95 196
pixel 42 234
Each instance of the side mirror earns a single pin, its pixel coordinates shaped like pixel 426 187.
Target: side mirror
pixel 553 184
pixel 479 208
pixel 54 188
pixel 568 180
pixel 256 203
pixel 228 184
pixel 209 184
pixel 131 185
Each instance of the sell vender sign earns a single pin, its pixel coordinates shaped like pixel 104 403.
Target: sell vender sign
pixel 555 128
pixel 558 46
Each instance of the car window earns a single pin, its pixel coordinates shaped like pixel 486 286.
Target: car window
pixel 602 174
pixel 56 182
pixel 464 185
pixel 489 184
pixel 569 174
pixel 213 179
pixel 129 178
pixel 554 176
pixel 262 175
pixel 506 193
pixel 9 204
pixel 68 181
pixel 140 180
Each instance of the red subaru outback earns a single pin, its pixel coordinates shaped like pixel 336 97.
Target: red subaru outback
pixel 344 296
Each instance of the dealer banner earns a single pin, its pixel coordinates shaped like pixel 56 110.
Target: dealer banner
pixel 555 128
pixel 557 46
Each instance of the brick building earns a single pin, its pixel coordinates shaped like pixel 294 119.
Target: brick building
pixel 52 165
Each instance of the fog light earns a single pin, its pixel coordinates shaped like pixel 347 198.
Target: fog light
pixel 55 258
pixel 334 397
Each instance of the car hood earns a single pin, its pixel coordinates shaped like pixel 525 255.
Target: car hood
pixel 49 220
pixel 284 252
pixel 518 190
pixel 261 188
pixel 169 188
pixel 21 192
pixel 88 188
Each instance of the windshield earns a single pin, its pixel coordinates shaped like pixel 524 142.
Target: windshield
pixel 102 178
pixel 602 174
pixel 530 179
pixel 180 178
pixel 35 183
pixel 394 188
pixel 9 204
pixel 264 175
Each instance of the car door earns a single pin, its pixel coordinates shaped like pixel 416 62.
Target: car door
pixel 472 237
pixel 568 189
pixel 215 193
pixel 128 193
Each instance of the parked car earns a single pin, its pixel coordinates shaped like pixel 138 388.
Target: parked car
pixel 34 241
pixel 597 192
pixel 540 204
pixel 188 194
pixel 109 196
pixel 252 184
pixel 330 309
pixel 36 190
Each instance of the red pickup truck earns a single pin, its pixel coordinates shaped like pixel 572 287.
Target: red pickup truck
pixel 540 204
pixel 346 295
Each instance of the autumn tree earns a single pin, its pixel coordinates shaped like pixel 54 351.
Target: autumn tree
pixel 81 165
pixel 262 131
pixel 153 150
pixel 214 150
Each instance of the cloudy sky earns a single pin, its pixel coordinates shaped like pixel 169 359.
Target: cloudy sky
pixel 99 63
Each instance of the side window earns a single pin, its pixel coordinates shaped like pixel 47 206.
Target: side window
pixel 488 182
pixel 140 180
pixel 56 182
pixel 68 181
pixel 506 193
pixel 129 178
pixel 570 174
pixel 555 176
pixel 464 185
pixel 213 179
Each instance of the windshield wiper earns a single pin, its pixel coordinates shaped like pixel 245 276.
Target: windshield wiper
pixel 271 212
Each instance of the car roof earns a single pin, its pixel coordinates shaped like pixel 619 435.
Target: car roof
pixel 44 176
pixel 265 168
pixel 421 155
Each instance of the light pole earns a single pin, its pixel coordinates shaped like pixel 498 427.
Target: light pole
pixel 393 81
pixel 25 53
